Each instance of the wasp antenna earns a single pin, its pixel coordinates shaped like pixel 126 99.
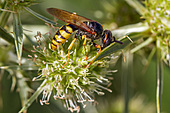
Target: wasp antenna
pixel 119 42
pixel 114 40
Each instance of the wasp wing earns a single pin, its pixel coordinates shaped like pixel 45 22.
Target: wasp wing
pixel 71 18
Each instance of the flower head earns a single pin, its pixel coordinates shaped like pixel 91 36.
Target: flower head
pixel 74 83
pixel 158 19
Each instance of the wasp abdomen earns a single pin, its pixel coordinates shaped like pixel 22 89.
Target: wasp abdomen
pixel 62 35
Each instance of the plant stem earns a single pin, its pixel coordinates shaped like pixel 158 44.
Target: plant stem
pixel 34 96
pixel 127 77
pixel 159 75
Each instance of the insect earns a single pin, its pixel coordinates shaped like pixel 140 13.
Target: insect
pixel 84 27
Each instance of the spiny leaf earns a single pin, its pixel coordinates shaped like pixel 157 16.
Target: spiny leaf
pixel 143 44
pixel 115 47
pixel 39 16
pixel 4 18
pixel 134 31
pixel 4 15
pixel 6 36
pixel 130 29
pixel 22 67
pixel 23 87
pixel 18 35
pixel 137 6
pixel 30 40
pixel 34 96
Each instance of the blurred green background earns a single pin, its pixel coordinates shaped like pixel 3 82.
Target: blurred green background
pixel 142 82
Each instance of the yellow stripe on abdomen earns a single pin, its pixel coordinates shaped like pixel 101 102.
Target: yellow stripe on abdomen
pixel 69 29
pixel 64 34
pixel 61 36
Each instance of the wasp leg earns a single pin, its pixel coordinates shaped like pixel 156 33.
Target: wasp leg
pixel 84 43
pixel 69 48
pixel 89 64
pixel 97 46
pixel 105 38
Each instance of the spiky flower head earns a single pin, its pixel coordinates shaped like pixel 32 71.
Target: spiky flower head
pixel 74 83
pixel 158 19
pixel 19 4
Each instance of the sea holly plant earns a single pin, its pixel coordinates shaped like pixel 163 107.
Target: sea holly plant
pixel 156 15
pixel 74 84
pixel 152 33
pixel 14 7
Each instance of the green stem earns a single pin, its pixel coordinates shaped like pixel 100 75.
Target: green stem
pixel 127 77
pixel 34 96
pixel 159 75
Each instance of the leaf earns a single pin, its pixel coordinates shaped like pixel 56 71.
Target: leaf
pixel 135 32
pixel 4 18
pixel 6 36
pixel 23 87
pixel 114 47
pixel 22 67
pixel 137 6
pixel 5 13
pixel 18 35
pixel 143 44
pixel 39 16
pixel 34 96
pixel 30 40
pixel 130 29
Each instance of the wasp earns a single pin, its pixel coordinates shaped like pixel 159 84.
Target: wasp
pixel 83 27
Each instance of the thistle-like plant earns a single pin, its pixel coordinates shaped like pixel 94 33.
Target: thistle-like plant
pixel 153 33
pixel 73 83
